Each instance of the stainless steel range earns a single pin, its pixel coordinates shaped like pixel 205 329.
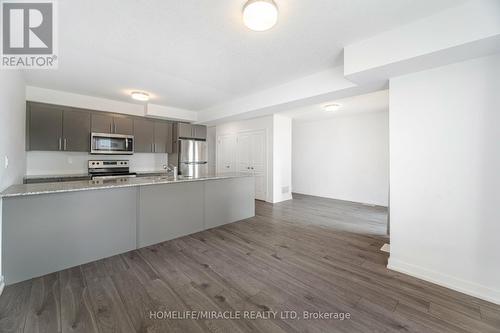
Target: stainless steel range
pixel 103 170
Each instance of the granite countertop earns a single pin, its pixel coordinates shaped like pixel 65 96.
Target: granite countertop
pixel 60 187
pixel 83 175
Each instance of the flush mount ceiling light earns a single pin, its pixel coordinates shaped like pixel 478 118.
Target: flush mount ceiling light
pixel 140 96
pixel 260 15
pixel 332 107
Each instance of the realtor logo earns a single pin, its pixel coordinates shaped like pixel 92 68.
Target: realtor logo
pixel 28 34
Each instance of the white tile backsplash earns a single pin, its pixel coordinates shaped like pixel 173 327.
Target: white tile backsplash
pixel 65 163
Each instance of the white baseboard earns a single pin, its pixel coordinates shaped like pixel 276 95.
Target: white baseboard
pixel 284 198
pixel 2 284
pixel 466 287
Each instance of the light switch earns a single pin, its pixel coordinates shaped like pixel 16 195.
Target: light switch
pixel 6 159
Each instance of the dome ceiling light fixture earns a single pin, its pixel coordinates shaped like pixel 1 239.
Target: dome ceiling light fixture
pixel 140 96
pixel 260 15
pixel 332 107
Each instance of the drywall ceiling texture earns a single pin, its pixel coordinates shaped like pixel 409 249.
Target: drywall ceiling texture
pixel 445 184
pixel 194 54
pixel 344 157
pixel 12 129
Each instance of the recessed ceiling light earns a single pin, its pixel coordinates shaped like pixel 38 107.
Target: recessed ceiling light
pixel 140 96
pixel 332 107
pixel 260 15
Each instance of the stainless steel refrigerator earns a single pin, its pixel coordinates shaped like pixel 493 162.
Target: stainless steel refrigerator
pixel 192 158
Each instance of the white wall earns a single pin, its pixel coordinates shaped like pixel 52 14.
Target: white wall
pixel 282 158
pixel 12 129
pixel 51 96
pixel 345 157
pixel 67 163
pixel 445 179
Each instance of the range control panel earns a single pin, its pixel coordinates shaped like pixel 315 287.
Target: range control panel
pixel 99 164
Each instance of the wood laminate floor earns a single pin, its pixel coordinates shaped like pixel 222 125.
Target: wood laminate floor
pixel 308 254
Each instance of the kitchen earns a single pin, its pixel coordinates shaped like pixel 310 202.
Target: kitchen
pixel 113 205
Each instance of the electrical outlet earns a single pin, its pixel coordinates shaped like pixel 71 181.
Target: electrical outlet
pixel 6 162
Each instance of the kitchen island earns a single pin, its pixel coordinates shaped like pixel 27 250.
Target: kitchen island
pixel 53 226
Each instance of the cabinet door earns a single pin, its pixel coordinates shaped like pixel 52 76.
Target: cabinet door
pixel 76 130
pixel 143 135
pixel 184 130
pixel 160 137
pixel 45 126
pixel 102 123
pixel 123 125
pixel 170 138
pixel 199 132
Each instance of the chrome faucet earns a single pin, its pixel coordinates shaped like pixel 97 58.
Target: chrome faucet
pixel 171 168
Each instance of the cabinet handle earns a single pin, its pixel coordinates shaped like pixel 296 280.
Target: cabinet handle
pixel 60 143
pixel 115 128
pixel 110 128
pixel 65 143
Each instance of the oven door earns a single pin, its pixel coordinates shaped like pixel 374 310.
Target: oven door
pixel 112 144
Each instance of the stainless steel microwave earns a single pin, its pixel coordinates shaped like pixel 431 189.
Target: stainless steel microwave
pixel 111 144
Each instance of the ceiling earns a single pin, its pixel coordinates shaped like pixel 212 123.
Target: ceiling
pixel 195 54
pixel 372 102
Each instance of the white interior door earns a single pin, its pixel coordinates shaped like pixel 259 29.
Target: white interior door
pixel 258 163
pixel 251 157
pixel 226 153
pixel 244 152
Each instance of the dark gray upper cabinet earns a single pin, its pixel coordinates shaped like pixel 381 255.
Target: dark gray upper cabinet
pixel 160 137
pixel 143 135
pixel 123 125
pixel 170 138
pixel 58 128
pixel 45 127
pixel 76 130
pixel 112 123
pixel 183 130
pixel 199 132
pixel 102 123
